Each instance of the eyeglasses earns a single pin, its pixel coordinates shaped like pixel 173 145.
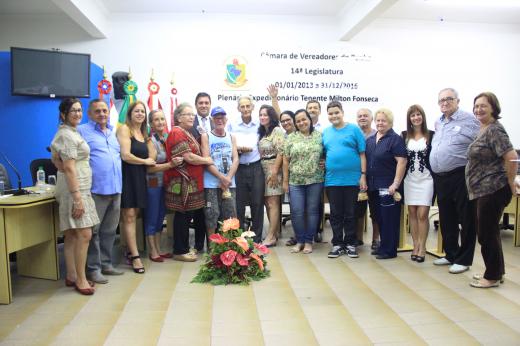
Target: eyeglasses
pixel 446 99
pixel 76 110
pixel 187 114
pixel 286 121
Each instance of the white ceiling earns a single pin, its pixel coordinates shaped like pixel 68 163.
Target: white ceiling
pixel 478 11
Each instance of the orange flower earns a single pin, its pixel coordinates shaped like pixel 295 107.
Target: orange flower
pixel 258 260
pixel 241 242
pixel 217 238
pixel 230 224
pixel 228 257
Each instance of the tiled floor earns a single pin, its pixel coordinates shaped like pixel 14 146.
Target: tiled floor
pixel 308 300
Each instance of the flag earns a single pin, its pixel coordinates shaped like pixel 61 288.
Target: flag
pixel 130 89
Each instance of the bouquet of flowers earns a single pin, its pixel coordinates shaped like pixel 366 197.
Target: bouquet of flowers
pixel 233 257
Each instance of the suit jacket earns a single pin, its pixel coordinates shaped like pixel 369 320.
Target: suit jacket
pixel 195 133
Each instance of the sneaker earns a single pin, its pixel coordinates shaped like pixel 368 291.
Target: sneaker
pixel 97 277
pixel 336 251
pixel 111 271
pixel 351 251
pixel 458 268
pixel 441 262
pixel 187 257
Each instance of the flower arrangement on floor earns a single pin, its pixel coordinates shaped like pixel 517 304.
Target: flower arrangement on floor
pixel 233 257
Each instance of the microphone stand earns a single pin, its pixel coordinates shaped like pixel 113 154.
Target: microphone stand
pixel 20 191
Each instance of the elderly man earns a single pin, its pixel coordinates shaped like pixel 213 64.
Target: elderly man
pixel 219 178
pixel 250 178
pixel 105 161
pixel 454 132
pixel 364 120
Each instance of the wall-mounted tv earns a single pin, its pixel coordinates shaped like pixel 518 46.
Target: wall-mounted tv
pixel 50 73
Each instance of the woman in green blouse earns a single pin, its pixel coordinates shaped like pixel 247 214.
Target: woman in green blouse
pixel 302 153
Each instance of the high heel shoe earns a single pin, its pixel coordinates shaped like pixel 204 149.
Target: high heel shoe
pixel 70 283
pixel 166 255
pixel 156 259
pixel 139 270
pixel 413 257
pixel 419 259
pixel 85 291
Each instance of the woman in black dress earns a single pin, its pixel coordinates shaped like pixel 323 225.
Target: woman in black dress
pixel 133 138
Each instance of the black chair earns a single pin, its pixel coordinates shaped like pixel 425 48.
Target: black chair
pixel 47 166
pixel 5 177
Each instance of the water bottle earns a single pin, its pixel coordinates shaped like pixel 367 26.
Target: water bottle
pixel 2 187
pixel 40 176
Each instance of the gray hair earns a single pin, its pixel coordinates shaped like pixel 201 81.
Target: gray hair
pixel 180 108
pixel 245 97
pixel 452 90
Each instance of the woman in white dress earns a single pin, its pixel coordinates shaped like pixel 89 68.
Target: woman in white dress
pixel 418 182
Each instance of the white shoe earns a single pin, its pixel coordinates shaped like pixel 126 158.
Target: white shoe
pixel 458 268
pixel 441 262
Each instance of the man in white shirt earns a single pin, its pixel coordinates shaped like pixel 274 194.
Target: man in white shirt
pixel 250 180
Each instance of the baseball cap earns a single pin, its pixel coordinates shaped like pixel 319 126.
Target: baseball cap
pixel 218 111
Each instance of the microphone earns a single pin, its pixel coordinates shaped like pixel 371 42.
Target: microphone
pixel 20 191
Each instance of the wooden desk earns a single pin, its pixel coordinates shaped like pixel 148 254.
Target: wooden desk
pixel 28 226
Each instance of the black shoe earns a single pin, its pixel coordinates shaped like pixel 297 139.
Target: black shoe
pixel 336 251
pixel 291 242
pixel 351 252
pixel 413 257
pixel 419 259
pixel 375 252
pixel 375 244
pixel 359 242
pixel 318 237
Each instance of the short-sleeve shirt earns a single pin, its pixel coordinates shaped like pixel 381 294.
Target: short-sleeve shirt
pixel 453 135
pixel 381 162
pixel 342 148
pixel 304 154
pixel 246 135
pixel 485 172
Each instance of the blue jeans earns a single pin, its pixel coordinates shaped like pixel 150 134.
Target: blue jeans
pixel 305 210
pixel 155 210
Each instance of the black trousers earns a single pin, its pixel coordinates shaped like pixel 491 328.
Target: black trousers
pixel 250 182
pixel 456 209
pixel 489 210
pixel 342 200
pixel 181 232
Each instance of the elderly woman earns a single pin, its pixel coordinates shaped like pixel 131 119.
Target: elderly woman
pixel 271 140
pixel 302 154
pixel 418 182
pixel 77 211
pixel 184 184
pixel 386 165
pixel 345 175
pixel 490 175
pixel 133 139
pixel 155 208
pixel 219 178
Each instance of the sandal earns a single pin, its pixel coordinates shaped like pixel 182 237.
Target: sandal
pixel 70 283
pixel 297 248
pixel 136 270
pixel 307 249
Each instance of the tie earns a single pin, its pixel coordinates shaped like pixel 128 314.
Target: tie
pixel 204 121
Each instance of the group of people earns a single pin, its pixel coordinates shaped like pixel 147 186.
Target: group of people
pixel 207 169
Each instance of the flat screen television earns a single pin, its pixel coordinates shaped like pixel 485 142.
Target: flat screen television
pixel 49 73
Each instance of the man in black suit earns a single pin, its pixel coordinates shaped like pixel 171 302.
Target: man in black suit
pixel 201 124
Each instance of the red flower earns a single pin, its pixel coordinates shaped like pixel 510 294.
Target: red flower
pixel 228 257
pixel 217 238
pixel 230 224
pixel 242 260
pixel 258 260
pixel 262 248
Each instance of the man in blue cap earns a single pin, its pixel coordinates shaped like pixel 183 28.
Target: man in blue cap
pixel 219 178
